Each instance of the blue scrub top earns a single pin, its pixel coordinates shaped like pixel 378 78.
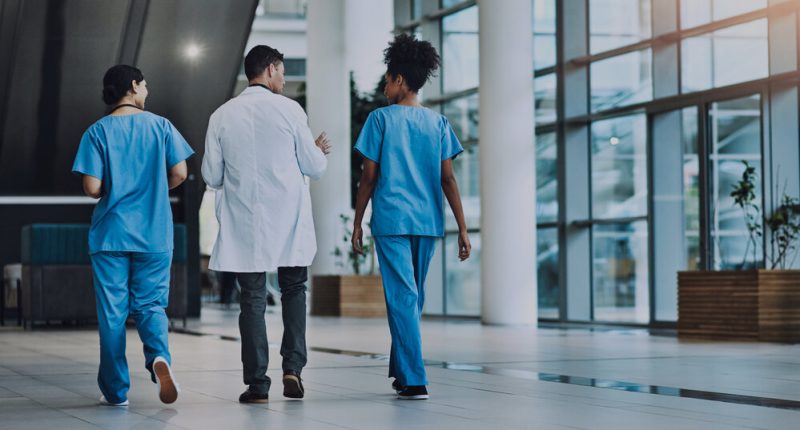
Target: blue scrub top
pixel 409 144
pixel 131 155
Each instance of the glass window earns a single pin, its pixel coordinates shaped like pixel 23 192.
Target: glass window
pixel 466 170
pixel 460 50
pixel 691 188
pixel 448 3
pixel 621 80
pixel 281 8
pixel 463 280
pixel 615 23
pixel 416 9
pixel 462 113
pixel 699 12
pixel 619 167
pixel 715 59
pixel 545 99
pixel 546 178
pixel 735 136
pixel 547 272
pixel 620 272
pixel 544 33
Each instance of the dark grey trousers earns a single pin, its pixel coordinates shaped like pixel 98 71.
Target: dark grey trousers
pixel 253 328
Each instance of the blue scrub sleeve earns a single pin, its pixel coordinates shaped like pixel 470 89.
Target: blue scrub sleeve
pixel 370 140
pixel 177 149
pixel 89 159
pixel 451 147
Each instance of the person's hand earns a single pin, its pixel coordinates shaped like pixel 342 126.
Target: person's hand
pixel 464 247
pixel 356 240
pixel 323 143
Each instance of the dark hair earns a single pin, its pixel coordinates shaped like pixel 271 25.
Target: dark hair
pixel 415 60
pixel 117 82
pixel 259 58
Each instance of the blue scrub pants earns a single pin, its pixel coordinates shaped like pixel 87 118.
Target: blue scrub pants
pixel 135 283
pixel 404 262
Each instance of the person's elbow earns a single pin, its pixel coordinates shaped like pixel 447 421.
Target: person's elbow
pixel 368 178
pixel 178 174
pixel 316 170
pixel 448 181
pixel 213 181
pixel 93 193
pixel 92 187
pixel 178 177
pixel 211 176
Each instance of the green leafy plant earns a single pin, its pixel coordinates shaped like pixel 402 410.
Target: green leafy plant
pixel 744 196
pixel 353 260
pixel 783 223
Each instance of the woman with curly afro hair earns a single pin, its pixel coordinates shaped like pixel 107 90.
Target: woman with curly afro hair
pixel 408 153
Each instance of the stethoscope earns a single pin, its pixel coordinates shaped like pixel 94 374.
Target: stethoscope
pixel 124 105
pixel 260 85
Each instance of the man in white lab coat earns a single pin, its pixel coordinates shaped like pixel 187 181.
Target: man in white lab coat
pixel 259 155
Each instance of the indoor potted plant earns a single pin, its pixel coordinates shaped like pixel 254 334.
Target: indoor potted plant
pixel 356 293
pixel 753 302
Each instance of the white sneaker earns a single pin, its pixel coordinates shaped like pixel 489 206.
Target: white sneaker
pixel 168 389
pixel 105 402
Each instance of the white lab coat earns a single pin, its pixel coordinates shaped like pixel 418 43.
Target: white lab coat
pixel 259 153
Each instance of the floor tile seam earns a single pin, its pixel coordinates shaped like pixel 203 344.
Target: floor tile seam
pixel 382 401
pixel 267 408
pixel 448 366
pixel 674 409
pixel 582 398
pixel 538 394
pixel 63 410
pixel 578 360
pixel 488 421
pixel 38 352
pixel 629 405
pixel 626 405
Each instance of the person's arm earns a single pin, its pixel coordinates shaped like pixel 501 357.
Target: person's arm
pixel 177 174
pixel 93 187
pixel 369 177
pixel 311 153
pixel 213 165
pixel 450 188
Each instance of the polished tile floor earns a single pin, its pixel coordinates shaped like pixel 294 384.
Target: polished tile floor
pixel 481 377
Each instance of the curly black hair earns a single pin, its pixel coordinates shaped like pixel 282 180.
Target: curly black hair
pixel 415 60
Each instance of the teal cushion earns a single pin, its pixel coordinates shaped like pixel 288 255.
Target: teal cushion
pixel 69 244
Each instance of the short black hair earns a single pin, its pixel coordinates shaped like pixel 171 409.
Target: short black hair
pixel 415 60
pixel 259 58
pixel 117 82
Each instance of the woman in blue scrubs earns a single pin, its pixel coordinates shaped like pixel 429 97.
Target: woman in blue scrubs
pixel 408 152
pixel 130 159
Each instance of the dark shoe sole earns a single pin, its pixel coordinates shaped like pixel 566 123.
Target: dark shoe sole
pixel 292 387
pixel 259 401
pixel 169 392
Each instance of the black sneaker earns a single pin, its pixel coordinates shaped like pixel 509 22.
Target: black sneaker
pixel 396 386
pixel 251 397
pixel 292 384
pixel 413 392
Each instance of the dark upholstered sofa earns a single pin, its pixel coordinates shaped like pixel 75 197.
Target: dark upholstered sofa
pixel 57 275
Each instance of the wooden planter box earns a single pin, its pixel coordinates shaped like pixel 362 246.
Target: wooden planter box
pixel 348 296
pixel 749 305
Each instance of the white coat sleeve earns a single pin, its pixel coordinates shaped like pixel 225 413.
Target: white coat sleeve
pixel 213 164
pixel 310 158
